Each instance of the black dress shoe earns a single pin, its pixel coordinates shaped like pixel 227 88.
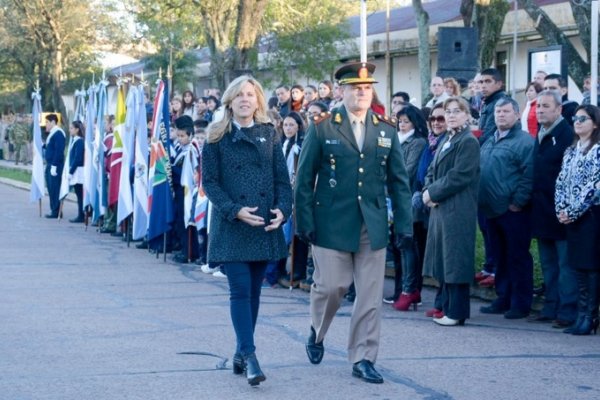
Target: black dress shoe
pixel 142 245
pixel 561 324
pixel 515 314
pixel 52 216
pixel 77 220
pixel 540 318
pixel 239 366
pixel 314 350
pixel 253 372
pixel 106 230
pixel 492 309
pixel 365 370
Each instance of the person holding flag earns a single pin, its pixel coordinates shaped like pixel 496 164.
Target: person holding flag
pixel 245 178
pixel 185 175
pixel 55 160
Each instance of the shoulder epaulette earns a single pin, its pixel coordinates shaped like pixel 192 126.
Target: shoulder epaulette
pixel 317 119
pixel 385 119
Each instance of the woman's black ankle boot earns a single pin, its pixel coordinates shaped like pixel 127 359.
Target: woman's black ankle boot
pixel 239 366
pixel 253 371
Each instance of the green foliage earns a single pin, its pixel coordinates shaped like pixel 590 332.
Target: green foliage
pixel 310 53
pixel 54 41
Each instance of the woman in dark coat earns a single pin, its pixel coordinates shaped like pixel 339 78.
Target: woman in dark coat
pixel 246 179
pixel 577 201
pixel 412 131
pixel 451 189
pixel 76 150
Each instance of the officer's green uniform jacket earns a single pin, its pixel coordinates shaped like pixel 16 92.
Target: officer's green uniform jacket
pixel 339 187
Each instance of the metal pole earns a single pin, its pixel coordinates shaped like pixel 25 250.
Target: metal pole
pixel 513 66
pixel 594 54
pixel 388 61
pixel 363 31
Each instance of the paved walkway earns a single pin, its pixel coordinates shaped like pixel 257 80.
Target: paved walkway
pixel 82 316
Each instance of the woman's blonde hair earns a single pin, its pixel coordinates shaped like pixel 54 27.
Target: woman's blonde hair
pixel 455 86
pixel 217 129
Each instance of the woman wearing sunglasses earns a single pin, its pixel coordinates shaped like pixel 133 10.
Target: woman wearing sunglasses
pixel 577 204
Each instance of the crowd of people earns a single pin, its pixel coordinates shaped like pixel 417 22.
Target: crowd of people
pixel 413 184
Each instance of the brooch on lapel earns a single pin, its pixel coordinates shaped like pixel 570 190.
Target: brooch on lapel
pixel 338 118
pixel 375 120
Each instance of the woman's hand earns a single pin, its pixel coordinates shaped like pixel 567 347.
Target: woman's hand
pixel 275 222
pixel 246 215
pixel 427 199
pixel 563 218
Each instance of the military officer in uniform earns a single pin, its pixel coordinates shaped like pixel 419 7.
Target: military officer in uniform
pixel 351 159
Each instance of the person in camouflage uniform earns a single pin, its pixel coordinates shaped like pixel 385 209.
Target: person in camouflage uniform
pixel 19 134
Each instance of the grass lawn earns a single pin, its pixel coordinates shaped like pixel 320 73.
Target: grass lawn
pixel 15 174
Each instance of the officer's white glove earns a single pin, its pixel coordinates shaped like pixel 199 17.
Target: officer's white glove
pixel 53 170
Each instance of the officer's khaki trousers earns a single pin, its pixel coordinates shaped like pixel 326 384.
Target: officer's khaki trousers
pixel 334 272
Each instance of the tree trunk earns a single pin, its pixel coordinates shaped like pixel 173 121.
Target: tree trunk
pixel 57 71
pixel 424 52
pixel 466 10
pixel 552 35
pixel 490 27
pixel 250 13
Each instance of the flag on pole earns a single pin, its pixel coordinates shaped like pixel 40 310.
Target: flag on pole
pixel 38 185
pixel 116 156
pixel 140 180
pixel 189 183
pixel 101 198
pixel 89 170
pixel 160 196
pixel 125 196
pixel 160 201
pixel 64 182
pixel 79 105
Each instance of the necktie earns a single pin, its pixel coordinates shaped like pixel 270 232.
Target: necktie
pixel 358 134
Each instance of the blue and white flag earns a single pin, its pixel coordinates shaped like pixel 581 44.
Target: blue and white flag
pixel 90 174
pixel 101 197
pixel 140 180
pixel 38 185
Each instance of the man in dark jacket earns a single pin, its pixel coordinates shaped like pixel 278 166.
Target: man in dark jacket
pixel 504 194
pixel 491 84
pixel 54 153
pixel 284 100
pixel 557 82
pixel 350 159
pixel 555 135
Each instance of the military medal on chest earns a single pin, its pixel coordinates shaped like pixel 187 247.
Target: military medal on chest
pixel 332 181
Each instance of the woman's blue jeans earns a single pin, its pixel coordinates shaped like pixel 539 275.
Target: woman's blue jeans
pixel 245 280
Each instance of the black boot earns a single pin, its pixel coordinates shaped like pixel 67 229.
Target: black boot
pixel 582 301
pixel 253 372
pixel 589 323
pixel 239 366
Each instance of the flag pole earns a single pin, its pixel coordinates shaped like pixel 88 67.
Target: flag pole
pixel 60 210
pixel 40 207
pixel 189 249
pixel 165 247
pixel 363 31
